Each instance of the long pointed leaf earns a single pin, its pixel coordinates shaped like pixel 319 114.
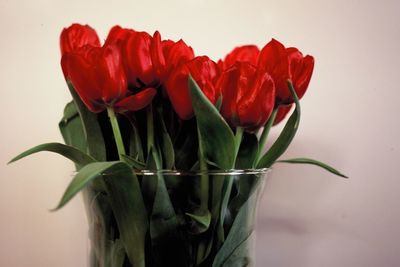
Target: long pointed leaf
pixel 127 204
pixel 98 209
pixel 135 142
pixel 313 162
pixel 164 225
pixel 93 133
pixel 84 177
pixel 136 164
pixel 117 252
pixel 216 136
pixel 71 127
pixel 286 136
pixel 242 227
pixel 165 142
pixel 72 153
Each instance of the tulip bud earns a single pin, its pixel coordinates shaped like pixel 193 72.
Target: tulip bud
pixel 248 96
pixel 283 64
pixel 204 71
pixel 245 53
pixel 97 75
pixel 176 54
pixel 76 36
pixel 143 59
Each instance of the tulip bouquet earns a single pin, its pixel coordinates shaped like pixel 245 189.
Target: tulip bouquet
pixel 159 136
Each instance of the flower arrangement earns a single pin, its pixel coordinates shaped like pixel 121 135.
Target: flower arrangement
pixel 146 110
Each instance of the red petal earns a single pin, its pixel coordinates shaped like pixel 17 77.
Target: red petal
pixel 97 75
pixel 157 56
pixel 138 58
pixel 204 71
pixel 255 107
pixel 273 60
pixel 78 72
pixel 136 101
pixel 245 53
pixel 176 54
pixel 178 92
pixel 114 85
pixel 117 35
pixel 227 86
pixel 76 36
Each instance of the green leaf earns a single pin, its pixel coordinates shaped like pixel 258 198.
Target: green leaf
pixel 149 182
pixel 286 136
pixel 88 173
pixel 127 204
pixel 100 220
pixel 200 221
pixel 134 163
pixel 313 162
pixel 117 252
pixel 72 153
pixel 165 142
pixel 217 189
pixel 135 143
pixel 218 104
pixel 164 227
pixel 216 136
pixel 91 127
pixel 241 229
pixel 71 127
pixel 99 214
pixel 245 186
pixel 243 254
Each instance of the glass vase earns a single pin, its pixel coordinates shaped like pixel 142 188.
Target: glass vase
pixel 186 219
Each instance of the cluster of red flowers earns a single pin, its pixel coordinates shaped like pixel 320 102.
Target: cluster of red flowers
pixel 131 67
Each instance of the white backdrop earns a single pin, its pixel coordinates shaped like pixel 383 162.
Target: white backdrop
pixel 308 218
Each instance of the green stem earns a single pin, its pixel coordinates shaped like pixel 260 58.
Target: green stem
pixel 264 135
pixel 116 132
pixel 238 140
pixel 150 128
pixel 150 137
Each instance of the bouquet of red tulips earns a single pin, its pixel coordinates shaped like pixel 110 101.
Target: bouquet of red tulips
pixel 145 109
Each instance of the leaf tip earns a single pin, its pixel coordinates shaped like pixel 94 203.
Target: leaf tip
pixel 55 209
pixel 14 159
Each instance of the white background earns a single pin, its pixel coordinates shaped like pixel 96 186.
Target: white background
pixel 307 217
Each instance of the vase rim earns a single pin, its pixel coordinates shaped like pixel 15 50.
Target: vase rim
pixel 260 171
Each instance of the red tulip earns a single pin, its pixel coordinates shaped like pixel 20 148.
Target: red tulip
pixel 301 69
pixel 248 96
pixel 157 56
pixel 143 59
pixel 204 71
pixel 118 35
pixel 283 64
pixel 175 54
pixel 98 77
pixel 245 53
pixel 135 101
pixel 76 36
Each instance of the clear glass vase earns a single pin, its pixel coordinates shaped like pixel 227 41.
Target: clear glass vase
pixel 186 218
